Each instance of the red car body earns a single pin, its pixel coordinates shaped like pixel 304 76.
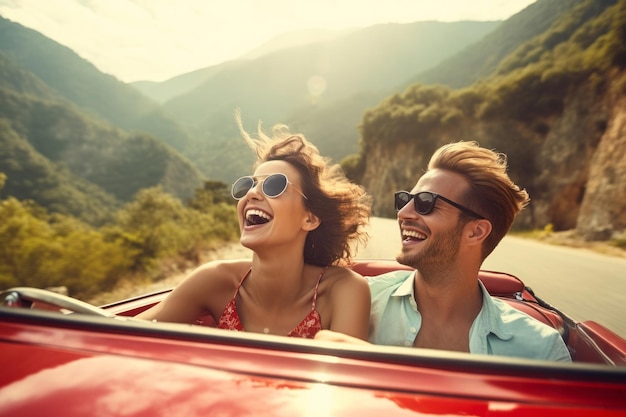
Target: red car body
pixel 75 365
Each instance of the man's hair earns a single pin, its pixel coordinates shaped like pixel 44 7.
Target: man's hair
pixel 343 207
pixel 491 192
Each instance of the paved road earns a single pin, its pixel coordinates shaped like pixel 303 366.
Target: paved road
pixel 583 284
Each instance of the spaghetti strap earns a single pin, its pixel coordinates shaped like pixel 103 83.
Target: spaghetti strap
pixel 319 279
pixel 241 282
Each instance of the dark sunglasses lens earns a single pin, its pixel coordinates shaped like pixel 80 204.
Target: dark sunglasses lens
pixel 241 187
pixel 424 203
pixel 401 199
pixel 274 185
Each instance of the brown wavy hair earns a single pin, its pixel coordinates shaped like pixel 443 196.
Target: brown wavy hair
pixel 491 192
pixel 343 207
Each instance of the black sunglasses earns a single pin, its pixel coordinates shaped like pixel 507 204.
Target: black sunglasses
pixel 425 202
pixel 273 185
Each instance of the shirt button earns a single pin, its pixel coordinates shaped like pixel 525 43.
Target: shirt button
pixel 413 330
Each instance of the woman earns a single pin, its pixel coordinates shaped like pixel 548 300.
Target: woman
pixel 300 216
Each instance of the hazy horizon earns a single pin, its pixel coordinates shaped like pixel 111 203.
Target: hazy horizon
pixel 154 40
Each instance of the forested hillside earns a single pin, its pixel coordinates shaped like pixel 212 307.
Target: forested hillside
pixel 84 203
pixel 70 164
pixel 555 106
pixel 68 160
pixel 483 58
pixel 99 95
pixel 153 235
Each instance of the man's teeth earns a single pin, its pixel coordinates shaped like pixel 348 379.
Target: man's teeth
pixel 413 234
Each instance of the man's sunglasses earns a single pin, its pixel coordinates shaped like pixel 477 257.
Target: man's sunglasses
pixel 273 185
pixel 425 202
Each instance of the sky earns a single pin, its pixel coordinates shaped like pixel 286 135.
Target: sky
pixel 158 39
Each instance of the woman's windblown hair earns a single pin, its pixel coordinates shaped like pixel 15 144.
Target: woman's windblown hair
pixel 343 207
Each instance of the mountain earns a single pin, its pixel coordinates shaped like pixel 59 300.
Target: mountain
pixel 470 65
pixel 546 87
pixel 370 59
pixel 176 86
pixel 31 176
pixel 65 158
pixel 80 82
pixel 166 90
pixel 294 39
pixel 556 105
pixel 484 57
pixel 286 85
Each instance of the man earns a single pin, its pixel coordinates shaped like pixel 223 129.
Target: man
pixel 454 217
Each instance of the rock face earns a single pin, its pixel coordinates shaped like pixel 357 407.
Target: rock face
pixel 390 170
pixel 603 208
pixel 573 165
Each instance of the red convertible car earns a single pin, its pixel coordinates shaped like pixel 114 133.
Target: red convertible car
pixel 99 361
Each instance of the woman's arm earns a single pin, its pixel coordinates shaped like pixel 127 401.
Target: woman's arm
pixel 192 298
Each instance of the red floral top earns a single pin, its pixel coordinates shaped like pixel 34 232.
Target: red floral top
pixel 307 328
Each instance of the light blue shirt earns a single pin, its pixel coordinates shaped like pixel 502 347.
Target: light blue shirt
pixel 498 329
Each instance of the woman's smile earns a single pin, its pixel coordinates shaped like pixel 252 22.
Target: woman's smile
pixel 255 217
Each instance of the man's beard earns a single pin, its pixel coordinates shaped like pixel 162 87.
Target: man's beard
pixel 438 254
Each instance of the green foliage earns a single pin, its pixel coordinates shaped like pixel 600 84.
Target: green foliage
pixel 218 225
pixel 353 167
pixel 585 40
pixel 72 164
pixel 610 47
pixel 212 193
pixel 466 101
pixel 16 79
pixel 548 229
pixel 503 47
pixel 43 251
pixel 156 225
pixel 619 242
pixel 31 176
pixel 532 83
pixel 413 116
pixel 528 95
pixel 55 156
pixel 577 27
pixel 56 143
pixel 78 81
pixel 516 107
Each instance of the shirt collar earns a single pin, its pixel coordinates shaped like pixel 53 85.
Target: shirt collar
pixel 407 287
pixel 489 319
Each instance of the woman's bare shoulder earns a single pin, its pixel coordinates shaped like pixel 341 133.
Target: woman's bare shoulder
pixel 230 265
pixel 343 277
pixel 218 273
pixel 343 273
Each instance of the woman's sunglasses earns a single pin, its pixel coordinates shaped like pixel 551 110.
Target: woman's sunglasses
pixel 273 185
pixel 425 202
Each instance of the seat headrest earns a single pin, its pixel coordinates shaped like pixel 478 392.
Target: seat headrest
pixel 497 283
